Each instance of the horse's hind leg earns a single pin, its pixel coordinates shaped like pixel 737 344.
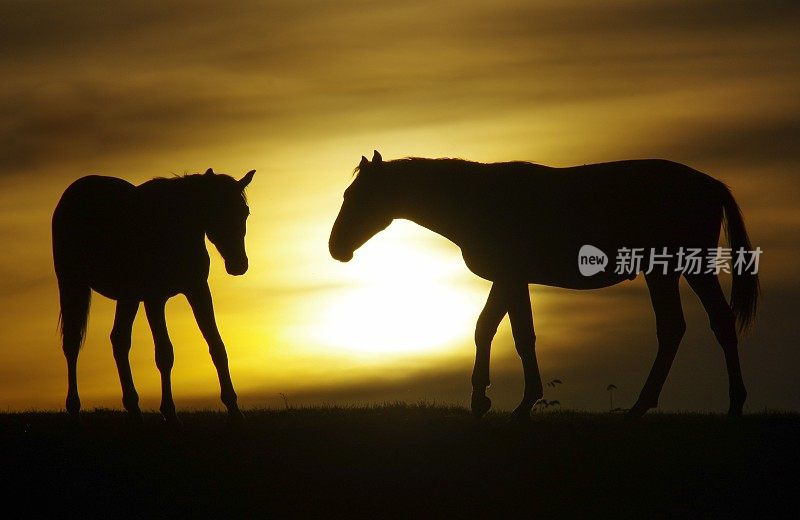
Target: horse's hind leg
pixel 723 323
pixel 165 356
pixel 670 326
pixel 203 308
pixel 490 317
pixel 74 299
pixel 121 344
pixel 521 316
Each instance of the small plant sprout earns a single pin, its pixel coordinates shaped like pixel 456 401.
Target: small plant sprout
pixel 610 388
pixel 541 404
pixel 544 403
pixel 285 400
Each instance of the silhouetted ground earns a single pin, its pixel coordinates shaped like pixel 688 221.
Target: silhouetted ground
pixel 401 461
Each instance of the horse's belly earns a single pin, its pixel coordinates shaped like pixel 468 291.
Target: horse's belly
pixel 141 278
pixel 131 269
pixel 556 265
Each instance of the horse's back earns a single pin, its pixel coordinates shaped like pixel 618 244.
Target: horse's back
pixel 91 222
pixel 91 204
pixel 88 194
pixel 542 216
pixel 627 193
pixel 634 199
pixel 619 182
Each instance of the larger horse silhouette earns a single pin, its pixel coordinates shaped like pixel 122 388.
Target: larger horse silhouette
pixel 519 223
pixel 146 244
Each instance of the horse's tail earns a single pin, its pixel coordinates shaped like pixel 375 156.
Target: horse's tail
pixel 745 287
pixel 75 294
pixel 74 315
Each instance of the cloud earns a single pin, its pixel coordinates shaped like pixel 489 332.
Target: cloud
pixel 83 81
pixel 768 141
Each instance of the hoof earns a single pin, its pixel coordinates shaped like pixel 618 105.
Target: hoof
pixel 480 405
pixel 520 416
pixel 171 419
pixel 737 399
pixel 235 418
pixel 636 412
pixel 134 418
pixel 73 405
pixel 74 420
pixel 735 411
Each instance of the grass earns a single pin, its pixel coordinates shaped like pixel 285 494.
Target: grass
pixel 402 460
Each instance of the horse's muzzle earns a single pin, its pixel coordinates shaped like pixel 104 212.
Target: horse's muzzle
pixel 236 268
pixel 340 254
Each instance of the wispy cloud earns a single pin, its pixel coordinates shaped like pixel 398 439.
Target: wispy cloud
pixel 85 80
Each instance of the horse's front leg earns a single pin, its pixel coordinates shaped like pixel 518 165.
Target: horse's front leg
pixel 485 330
pixel 165 357
pixel 519 311
pixel 203 308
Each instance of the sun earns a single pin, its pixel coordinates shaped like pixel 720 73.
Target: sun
pixel 406 294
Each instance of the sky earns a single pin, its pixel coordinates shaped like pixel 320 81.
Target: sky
pixel 299 91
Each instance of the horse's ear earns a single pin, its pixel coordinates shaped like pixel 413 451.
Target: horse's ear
pixel 244 181
pixel 209 171
pixel 364 161
pixel 376 157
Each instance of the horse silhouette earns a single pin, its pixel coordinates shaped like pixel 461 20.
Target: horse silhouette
pixel 519 223
pixel 146 244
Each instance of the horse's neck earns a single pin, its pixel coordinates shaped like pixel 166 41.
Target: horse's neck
pixel 435 201
pixel 176 207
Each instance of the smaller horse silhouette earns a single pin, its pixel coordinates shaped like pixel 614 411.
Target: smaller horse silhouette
pixel 146 244
pixel 519 223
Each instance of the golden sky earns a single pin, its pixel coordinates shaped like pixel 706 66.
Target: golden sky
pixel 299 91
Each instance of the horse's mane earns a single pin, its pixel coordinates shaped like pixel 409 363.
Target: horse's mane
pixel 196 179
pixel 444 164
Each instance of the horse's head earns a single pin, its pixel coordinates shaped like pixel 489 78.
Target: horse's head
pixel 225 217
pixel 366 209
